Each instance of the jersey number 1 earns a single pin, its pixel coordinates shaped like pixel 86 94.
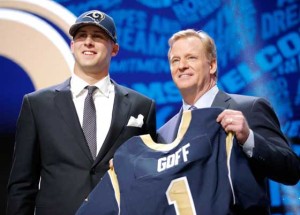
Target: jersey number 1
pixel 179 195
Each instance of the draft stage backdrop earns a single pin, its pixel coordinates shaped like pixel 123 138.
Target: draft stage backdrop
pixel 258 54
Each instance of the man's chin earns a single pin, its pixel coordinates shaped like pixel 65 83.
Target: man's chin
pixel 185 86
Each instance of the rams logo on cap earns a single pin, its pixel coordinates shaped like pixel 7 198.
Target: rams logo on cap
pixel 96 16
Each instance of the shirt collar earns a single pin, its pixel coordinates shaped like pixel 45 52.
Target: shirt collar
pixel 78 86
pixel 104 85
pixel 205 100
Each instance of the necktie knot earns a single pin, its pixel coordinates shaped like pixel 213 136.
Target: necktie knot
pixel 192 107
pixel 91 89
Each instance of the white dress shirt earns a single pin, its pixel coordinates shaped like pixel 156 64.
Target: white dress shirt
pixel 103 99
pixel 206 101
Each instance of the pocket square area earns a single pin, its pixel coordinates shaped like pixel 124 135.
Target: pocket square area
pixel 136 122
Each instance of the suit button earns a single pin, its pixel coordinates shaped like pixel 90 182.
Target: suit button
pixel 93 171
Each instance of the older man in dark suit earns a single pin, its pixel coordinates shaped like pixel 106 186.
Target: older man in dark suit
pixel 64 144
pixel 262 153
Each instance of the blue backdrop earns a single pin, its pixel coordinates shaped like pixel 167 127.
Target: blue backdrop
pixel 258 44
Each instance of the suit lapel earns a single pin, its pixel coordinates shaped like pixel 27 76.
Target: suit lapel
pixel 65 106
pixel 168 132
pixel 221 100
pixel 177 120
pixel 119 116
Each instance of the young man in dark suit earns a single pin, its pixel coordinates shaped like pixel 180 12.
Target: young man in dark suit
pixel 262 153
pixel 54 167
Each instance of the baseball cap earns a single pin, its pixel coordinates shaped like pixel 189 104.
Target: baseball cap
pixel 97 18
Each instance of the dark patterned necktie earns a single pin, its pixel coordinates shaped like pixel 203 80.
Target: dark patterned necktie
pixel 89 121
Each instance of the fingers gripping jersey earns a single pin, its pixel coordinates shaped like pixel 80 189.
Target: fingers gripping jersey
pixel 188 176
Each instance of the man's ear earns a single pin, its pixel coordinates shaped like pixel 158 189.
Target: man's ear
pixel 115 49
pixel 72 46
pixel 213 67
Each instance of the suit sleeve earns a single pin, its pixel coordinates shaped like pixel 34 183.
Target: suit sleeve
pixel 24 178
pixel 272 153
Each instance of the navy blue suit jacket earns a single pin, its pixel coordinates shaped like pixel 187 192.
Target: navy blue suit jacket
pixel 272 156
pixel 53 170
